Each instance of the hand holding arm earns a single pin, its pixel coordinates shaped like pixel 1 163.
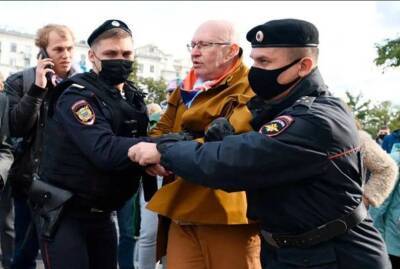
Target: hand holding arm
pixel 144 153
pixel 157 170
pixel 218 129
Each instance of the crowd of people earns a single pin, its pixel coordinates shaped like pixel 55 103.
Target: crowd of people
pixel 239 167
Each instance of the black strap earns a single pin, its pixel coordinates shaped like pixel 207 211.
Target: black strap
pixel 28 78
pixel 322 233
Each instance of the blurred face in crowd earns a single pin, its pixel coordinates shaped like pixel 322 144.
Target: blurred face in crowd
pixel 61 50
pixel 212 49
pixel 383 132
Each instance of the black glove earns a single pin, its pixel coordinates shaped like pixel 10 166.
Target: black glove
pixel 218 129
pixel 165 141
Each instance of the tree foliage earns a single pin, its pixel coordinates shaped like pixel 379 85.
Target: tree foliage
pixel 359 107
pixel 388 53
pixel 373 116
pixel 155 89
pixel 133 76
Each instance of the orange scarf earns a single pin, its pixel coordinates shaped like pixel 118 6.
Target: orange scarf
pixel 191 79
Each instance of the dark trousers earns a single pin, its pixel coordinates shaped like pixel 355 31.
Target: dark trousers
pixel 26 242
pixel 82 241
pixel 126 245
pixel 7 232
pixel 395 260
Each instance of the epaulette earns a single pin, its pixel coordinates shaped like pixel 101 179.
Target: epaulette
pixel 77 86
pixel 305 101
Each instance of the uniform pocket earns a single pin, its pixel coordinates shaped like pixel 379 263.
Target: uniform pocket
pixel 322 257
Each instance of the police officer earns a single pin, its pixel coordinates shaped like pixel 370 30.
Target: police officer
pixel 91 126
pixel 301 167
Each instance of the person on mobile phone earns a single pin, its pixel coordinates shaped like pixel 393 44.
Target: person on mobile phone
pixel 29 92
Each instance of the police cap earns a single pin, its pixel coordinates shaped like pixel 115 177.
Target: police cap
pixel 107 25
pixel 284 33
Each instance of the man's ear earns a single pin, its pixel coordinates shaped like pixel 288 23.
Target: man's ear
pixel 233 52
pixel 91 55
pixel 306 66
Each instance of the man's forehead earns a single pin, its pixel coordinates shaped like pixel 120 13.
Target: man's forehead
pixel 269 53
pixel 209 31
pixel 59 35
pixel 56 38
pixel 205 35
pixel 116 43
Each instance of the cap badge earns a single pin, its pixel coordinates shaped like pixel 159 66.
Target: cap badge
pixel 259 36
pixel 115 23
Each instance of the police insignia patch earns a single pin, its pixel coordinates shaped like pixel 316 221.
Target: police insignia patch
pixel 276 126
pixel 83 112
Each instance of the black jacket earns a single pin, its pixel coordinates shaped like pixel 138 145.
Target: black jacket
pixel 27 113
pixel 87 139
pixel 301 168
pixel 6 157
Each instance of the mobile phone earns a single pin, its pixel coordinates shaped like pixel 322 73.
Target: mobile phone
pixel 42 55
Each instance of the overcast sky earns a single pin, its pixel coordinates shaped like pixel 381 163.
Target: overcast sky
pixel 348 30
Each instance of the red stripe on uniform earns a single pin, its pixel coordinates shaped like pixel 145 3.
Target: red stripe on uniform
pixel 46 254
pixel 344 153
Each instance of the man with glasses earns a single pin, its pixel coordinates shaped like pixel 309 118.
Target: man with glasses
pixel 207 226
pixel 301 168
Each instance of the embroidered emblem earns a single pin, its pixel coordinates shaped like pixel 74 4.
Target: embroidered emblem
pixel 260 36
pixel 276 126
pixel 83 112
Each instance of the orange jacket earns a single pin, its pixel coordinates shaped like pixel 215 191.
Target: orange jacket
pixel 181 200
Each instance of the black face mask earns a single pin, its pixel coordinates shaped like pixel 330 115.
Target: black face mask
pixel 264 82
pixel 382 136
pixel 114 72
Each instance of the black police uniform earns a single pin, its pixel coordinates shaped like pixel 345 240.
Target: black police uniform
pixel 87 139
pixel 91 126
pixel 302 171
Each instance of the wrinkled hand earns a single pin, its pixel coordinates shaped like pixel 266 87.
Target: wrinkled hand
pixel 43 67
pixel 157 170
pixel 218 129
pixel 144 153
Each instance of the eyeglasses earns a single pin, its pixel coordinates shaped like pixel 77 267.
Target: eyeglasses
pixel 204 45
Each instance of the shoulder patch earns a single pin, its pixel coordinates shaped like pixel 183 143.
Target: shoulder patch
pixel 276 126
pixel 83 112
